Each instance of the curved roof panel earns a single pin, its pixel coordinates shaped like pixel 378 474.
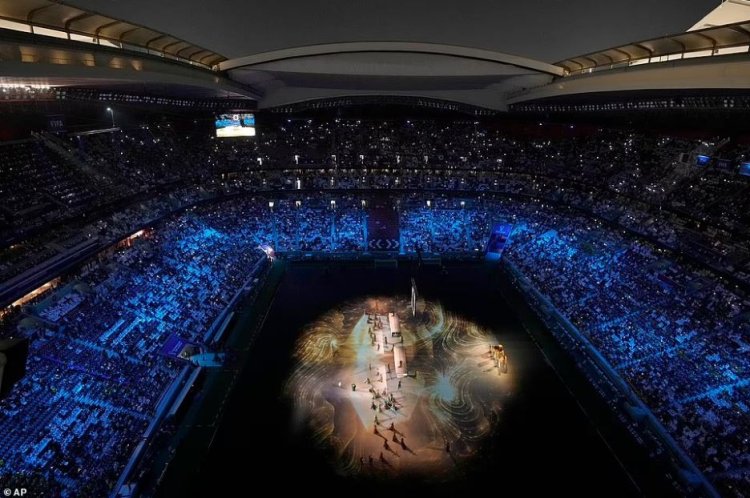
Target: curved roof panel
pixel 56 15
pixel 709 39
pixel 391 47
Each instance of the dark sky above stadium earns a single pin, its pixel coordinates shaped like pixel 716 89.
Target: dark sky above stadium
pixel 548 30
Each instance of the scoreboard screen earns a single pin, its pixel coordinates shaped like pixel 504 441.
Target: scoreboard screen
pixel 235 125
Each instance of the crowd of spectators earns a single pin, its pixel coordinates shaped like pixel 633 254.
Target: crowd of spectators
pixel 95 374
pixel 643 182
pixel 674 332
pixel 625 234
pixel 36 186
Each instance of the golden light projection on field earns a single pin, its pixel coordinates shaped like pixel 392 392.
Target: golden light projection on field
pixel 394 394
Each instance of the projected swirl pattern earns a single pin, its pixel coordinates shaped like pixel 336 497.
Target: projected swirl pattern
pixel 397 395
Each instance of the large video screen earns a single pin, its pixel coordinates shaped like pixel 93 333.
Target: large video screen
pixel 235 125
pixel 702 160
pixel 745 169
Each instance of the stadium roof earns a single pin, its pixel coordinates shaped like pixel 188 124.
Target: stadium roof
pixel 55 15
pixel 545 30
pixel 282 52
pixel 728 12
pixel 712 38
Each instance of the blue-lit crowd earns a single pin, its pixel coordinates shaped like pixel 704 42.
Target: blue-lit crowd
pixel 645 182
pixel 673 331
pixel 645 253
pixel 95 373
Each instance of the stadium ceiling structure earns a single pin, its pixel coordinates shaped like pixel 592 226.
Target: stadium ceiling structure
pixel 470 76
pixel 688 44
pixel 286 58
pixel 49 16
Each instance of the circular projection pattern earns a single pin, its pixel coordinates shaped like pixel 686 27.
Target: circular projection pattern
pixel 393 393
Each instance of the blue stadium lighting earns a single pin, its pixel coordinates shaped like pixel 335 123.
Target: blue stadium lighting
pixel 157 232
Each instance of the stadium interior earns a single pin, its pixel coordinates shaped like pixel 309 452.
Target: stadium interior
pixel 396 248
